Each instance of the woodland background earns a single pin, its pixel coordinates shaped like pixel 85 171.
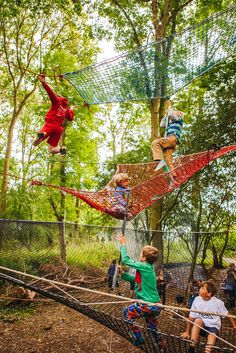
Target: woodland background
pixel 63 36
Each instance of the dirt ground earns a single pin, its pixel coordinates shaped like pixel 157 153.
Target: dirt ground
pixel 55 328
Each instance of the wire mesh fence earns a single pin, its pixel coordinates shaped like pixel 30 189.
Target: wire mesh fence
pixel 26 246
pixel 35 247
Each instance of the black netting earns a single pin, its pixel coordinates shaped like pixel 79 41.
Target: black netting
pixel 36 248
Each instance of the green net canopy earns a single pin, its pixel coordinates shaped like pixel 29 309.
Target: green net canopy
pixel 161 68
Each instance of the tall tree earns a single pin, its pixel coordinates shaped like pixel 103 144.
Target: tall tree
pixel 133 24
pixel 26 47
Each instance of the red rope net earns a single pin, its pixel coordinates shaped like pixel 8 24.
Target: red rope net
pixel 146 186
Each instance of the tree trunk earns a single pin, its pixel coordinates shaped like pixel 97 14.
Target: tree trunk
pixel 195 228
pixel 63 203
pixel 155 225
pixel 215 257
pixel 157 107
pixel 16 112
pixel 6 167
pixel 221 254
pixel 61 212
pixel 62 230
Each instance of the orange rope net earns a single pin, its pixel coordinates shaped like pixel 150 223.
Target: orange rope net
pixel 146 186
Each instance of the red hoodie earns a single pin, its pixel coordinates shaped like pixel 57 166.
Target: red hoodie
pixel 59 109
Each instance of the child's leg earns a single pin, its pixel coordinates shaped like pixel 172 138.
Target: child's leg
pixel 54 150
pixel 135 311
pixel 168 158
pixel 42 135
pixel 161 143
pixel 131 313
pixel 151 312
pixel 196 331
pixel 157 152
pixel 54 139
pixel 151 322
pixel 211 340
pixel 157 338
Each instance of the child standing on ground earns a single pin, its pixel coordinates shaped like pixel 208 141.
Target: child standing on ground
pixel 163 147
pixel 145 289
pixel 161 285
pixel 111 272
pixel 54 120
pixel 206 302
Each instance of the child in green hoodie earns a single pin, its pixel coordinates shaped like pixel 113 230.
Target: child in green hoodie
pixel 145 289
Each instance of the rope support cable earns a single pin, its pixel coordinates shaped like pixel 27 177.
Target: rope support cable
pixel 111 295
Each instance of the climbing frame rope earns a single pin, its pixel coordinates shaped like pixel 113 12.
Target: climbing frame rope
pixel 161 68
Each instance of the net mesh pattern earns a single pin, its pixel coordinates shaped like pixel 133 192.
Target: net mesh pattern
pixel 146 185
pixel 161 68
pixel 34 248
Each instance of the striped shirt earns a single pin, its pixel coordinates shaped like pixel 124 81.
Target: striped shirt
pixel 174 128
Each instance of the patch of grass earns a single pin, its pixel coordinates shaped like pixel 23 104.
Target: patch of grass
pixel 28 260
pixel 96 254
pixel 16 312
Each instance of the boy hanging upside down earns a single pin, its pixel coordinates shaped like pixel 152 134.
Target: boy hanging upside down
pixel 54 120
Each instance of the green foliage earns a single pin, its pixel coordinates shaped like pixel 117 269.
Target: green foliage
pixel 107 135
pixel 207 202
pixel 97 254
pixel 58 41
pixel 37 7
pixel 16 313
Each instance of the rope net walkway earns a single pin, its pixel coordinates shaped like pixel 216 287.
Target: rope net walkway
pixel 161 68
pixel 82 301
pixel 146 186
pixel 34 248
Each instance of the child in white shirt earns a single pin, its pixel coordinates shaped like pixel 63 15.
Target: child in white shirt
pixel 206 302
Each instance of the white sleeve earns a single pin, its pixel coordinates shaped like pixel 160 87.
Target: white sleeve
pixel 222 309
pixel 164 121
pixel 170 112
pixel 193 307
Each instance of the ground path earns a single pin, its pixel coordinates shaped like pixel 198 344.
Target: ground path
pixel 55 328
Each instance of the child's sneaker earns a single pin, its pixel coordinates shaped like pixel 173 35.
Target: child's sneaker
pixel 160 165
pixel 41 135
pixel 63 151
pixel 39 138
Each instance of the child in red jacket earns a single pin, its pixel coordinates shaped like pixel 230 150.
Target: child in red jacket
pixel 54 120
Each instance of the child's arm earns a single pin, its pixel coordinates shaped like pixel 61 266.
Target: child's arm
pixel 126 260
pixel 70 114
pixel 186 334
pixel 174 115
pixel 52 96
pixel 163 121
pixel 127 277
pixel 231 320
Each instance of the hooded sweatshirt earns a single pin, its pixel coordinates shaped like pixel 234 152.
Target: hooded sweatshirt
pixel 59 109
